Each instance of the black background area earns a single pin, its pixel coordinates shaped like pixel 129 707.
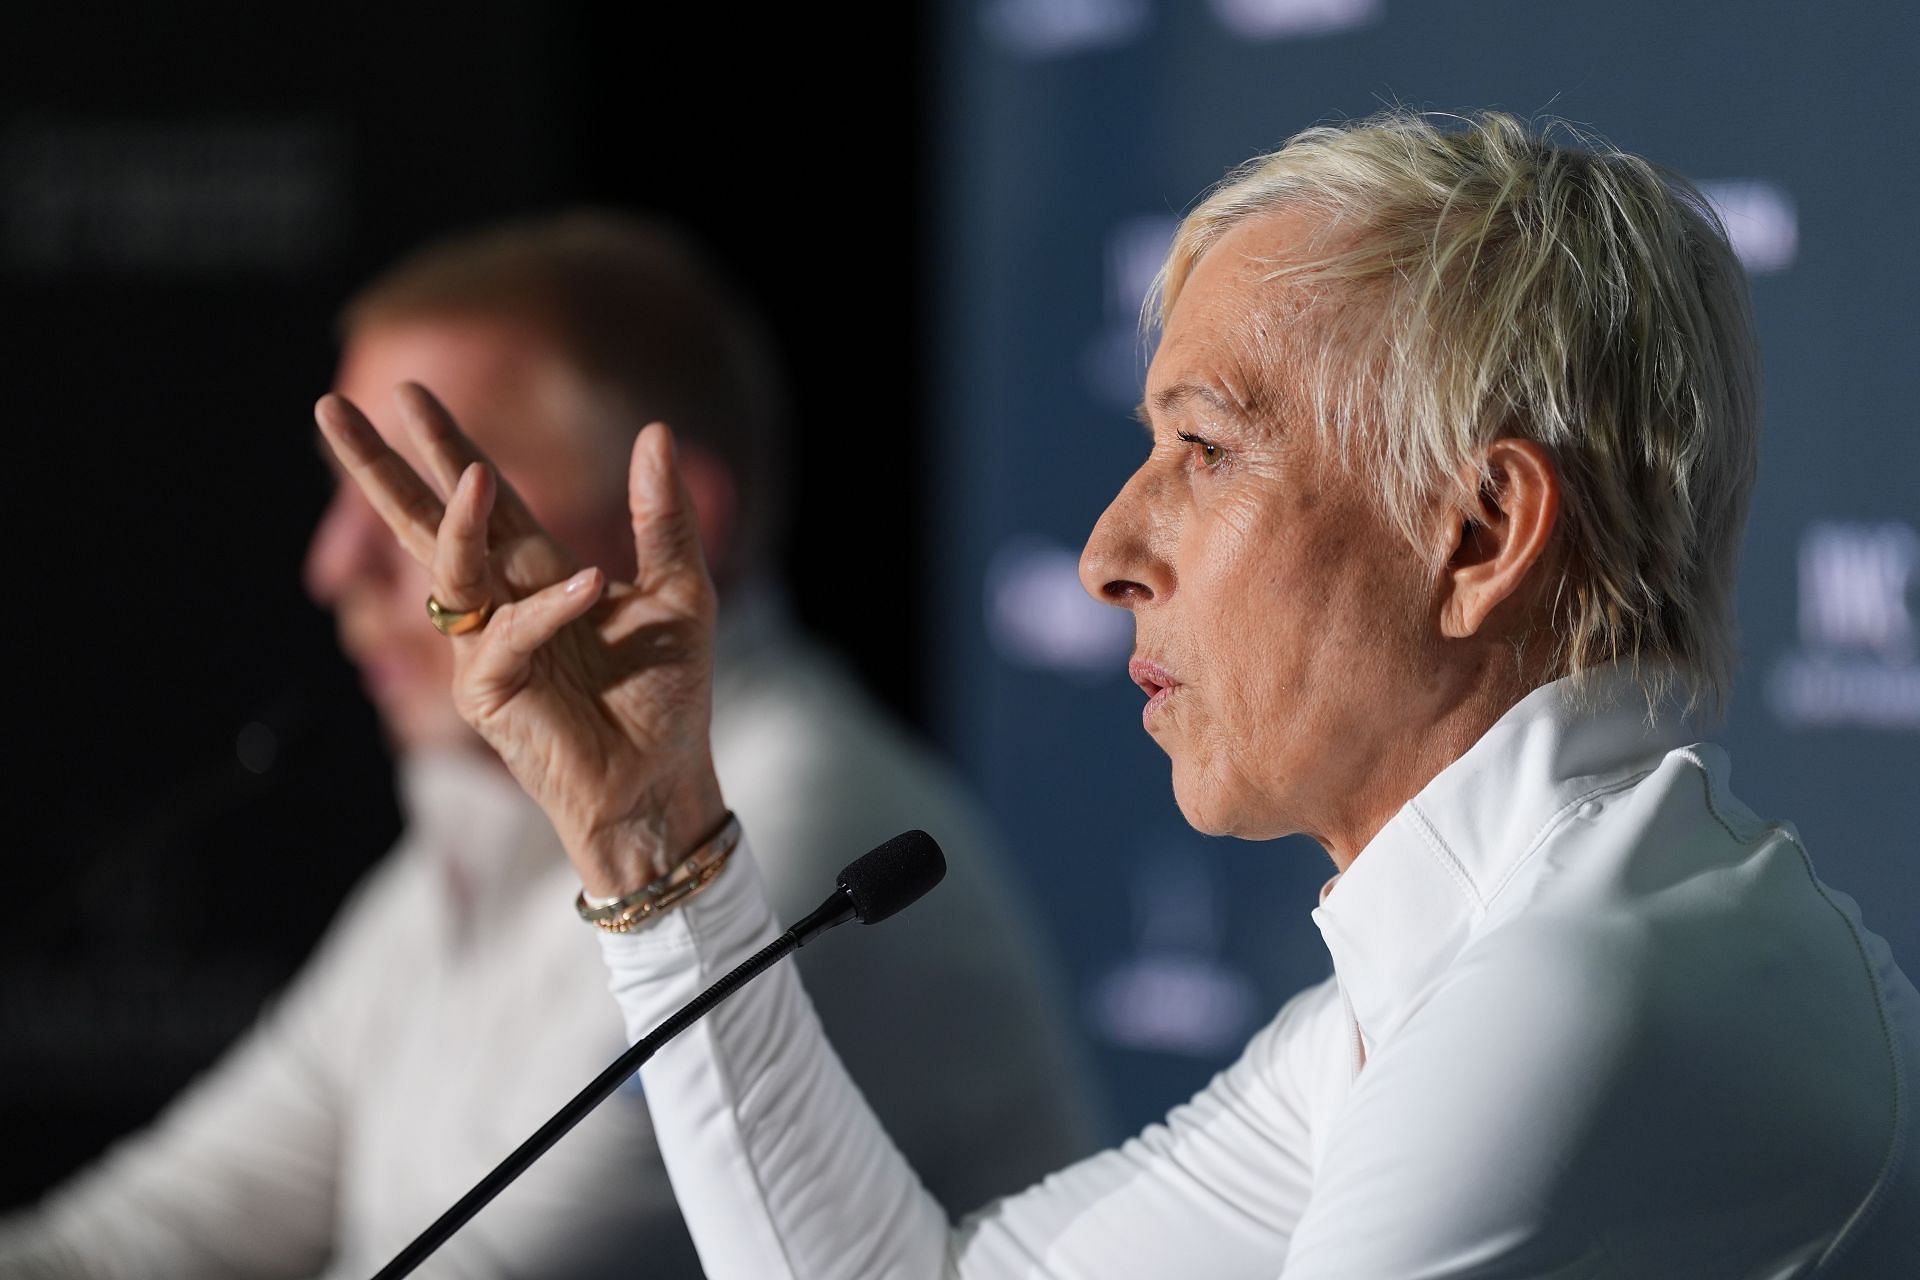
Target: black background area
pixel 164 478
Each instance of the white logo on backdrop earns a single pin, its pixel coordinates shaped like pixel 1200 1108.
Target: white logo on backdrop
pixel 1760 219
pixel 1038 614
pixel 1175 994
pixel 221 195
pixel 1114 362
pixel 1056 28
pixel 1060 28
pixel 1859 657
pixel 1294 19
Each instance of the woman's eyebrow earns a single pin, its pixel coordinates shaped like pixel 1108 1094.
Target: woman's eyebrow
pixel 1168 399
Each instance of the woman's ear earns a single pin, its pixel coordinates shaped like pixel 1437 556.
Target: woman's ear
pixel 1496 545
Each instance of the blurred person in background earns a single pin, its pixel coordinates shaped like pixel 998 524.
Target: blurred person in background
pixel 1431 558
pixel 457 1001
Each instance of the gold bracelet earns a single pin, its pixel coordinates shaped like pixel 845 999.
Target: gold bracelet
pixel 643 906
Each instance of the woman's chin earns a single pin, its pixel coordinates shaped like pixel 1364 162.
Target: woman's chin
pixel 1215 811
pixel 1199 803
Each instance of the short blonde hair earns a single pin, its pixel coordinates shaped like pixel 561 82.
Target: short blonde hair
pixel 1490 281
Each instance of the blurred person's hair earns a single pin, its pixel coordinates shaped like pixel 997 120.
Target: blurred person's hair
pixel 638 315
pixel 1483 279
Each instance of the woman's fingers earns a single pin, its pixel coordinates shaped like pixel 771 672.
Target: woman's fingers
pixel 666 530
pixel 447 453
pixel 402 499
pixel 503 648
pixel 461 578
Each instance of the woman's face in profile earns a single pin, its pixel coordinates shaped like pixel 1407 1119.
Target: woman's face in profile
pixel 1276 613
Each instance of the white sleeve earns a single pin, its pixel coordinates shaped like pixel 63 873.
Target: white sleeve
pixel 1608 1096
pixel 1511 1130
pixel 782 1171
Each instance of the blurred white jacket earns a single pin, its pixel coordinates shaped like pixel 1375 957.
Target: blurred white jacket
pixel 1590 1017
pixel 458 1001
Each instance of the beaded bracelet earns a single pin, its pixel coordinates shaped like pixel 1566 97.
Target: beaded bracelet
pixel 645 905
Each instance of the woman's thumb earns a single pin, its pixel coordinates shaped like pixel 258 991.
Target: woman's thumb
pixel 666 529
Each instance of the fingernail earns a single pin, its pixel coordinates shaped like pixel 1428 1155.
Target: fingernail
pixel 580 581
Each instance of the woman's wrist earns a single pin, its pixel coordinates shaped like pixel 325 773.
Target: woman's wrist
pixel 621 856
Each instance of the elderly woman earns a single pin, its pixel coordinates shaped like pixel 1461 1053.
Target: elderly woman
pixel 1430 559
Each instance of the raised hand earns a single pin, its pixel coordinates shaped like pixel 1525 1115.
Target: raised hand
pixel 597 695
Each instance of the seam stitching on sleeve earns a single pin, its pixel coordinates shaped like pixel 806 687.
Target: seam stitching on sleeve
pixel 731 1094
pixel 1869 1205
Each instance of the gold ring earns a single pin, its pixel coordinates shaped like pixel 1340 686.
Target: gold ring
pixel 456 622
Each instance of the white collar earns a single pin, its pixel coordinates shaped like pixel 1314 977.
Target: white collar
pixel 1410 900
pixel 466 814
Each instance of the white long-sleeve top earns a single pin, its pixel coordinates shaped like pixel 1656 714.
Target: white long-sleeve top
pixel 1590 1017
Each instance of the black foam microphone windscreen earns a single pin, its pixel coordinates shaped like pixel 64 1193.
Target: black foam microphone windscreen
pixel 893 875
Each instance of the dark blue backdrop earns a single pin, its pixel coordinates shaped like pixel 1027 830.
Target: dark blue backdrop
pixel 1074 133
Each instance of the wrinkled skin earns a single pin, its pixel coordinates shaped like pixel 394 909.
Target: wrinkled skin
pixel 596 694
pixel 1325 667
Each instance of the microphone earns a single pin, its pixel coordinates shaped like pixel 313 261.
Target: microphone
pixel 877 884
pixel 872 887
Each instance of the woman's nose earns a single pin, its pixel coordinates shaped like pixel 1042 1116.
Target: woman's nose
pixel 1120 565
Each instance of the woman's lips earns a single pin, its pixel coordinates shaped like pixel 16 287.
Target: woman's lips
pixel 1153 704
pixel 1155 682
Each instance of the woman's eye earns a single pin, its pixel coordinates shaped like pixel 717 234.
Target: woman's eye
pixel 1210 453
